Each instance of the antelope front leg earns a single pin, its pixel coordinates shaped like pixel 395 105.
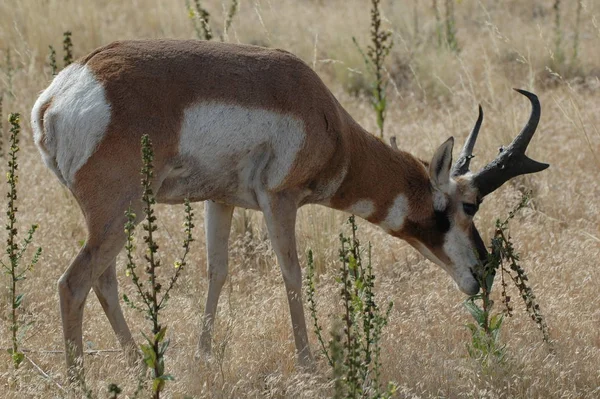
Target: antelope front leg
pixel 217 221
pixel 280 216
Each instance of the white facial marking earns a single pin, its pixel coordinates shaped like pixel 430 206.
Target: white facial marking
pixel 458 248
pixel 74 123
pixel 460 269
pixel 396 214
pixel 440 201
pixel 363 208
pixel 218 134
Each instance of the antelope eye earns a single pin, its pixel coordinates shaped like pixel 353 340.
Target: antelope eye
pixel 470 209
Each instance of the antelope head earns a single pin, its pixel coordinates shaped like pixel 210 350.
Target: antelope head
pixel 446 234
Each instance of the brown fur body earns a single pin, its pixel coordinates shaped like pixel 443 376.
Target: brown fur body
pixel 151 87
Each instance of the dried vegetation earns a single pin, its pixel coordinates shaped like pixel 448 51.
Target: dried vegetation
pixel 433 93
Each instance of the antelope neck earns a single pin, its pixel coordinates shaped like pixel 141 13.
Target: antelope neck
pixel 381 185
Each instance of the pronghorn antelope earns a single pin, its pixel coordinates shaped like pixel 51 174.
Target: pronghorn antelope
pixel 244 126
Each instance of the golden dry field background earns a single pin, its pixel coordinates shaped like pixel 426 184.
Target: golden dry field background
pixel 433 94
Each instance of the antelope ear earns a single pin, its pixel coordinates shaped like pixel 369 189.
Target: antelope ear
pixel 439 168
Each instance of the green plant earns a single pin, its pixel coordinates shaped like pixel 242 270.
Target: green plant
pixel 451 40
pixel 416 33
pixel 354 351
pixel 52 60
pixel 1 125
pixel 68 53
pixel 438 24
pixel 485 342
pixel 233 9
pixel 14 268
pixel 67 48
pixel 377 51
pixel 559 56
pixel 114 391
pixel 576 35
pixel 201 19
pixel 150 291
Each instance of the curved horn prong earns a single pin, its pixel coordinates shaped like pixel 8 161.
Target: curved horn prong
pixel 512 160
pixel 461 166
pixel 393 143
pixel 522 140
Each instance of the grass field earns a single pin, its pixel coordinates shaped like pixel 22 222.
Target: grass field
pixel 434 94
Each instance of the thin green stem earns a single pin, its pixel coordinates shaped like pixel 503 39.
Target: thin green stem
pixel 68 48
pixel 11 244
pixel 15 252
pixel 52 60
pixel 312 305
pixel 155 348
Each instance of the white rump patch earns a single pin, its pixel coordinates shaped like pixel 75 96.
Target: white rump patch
pixel 363 208
pixel 396 214
pixel 223 136
pixel 74 123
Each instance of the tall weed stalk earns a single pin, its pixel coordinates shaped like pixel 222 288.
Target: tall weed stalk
pixel 52 60
pixel 151 292
pixel 354 351
pixel 1 125
pixel 374 58
pixel 67 53
pixel 485 342
pixel 439 30
pixel 559 56
pixel 67 48
pixel 16 268
pixel 200 18
pixel 575 59
pixel 233 9
pixel 451 39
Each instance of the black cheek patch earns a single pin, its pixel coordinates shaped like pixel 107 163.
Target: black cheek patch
pixel 442 221
pixel 479 245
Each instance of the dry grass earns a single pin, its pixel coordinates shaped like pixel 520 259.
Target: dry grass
pixel 504 44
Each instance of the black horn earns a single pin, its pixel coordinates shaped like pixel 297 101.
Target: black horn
pixel 461 166
pixel 512 160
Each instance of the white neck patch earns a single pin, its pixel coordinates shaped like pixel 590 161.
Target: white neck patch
pixel 396 214
pixel 363 208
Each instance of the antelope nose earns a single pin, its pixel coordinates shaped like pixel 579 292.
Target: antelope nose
pixel 471 287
